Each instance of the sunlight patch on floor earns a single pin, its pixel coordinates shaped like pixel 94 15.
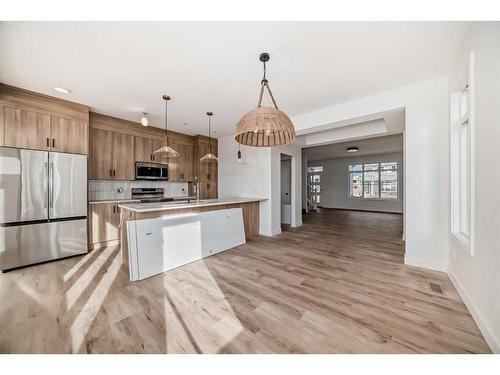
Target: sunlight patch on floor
pixel 83 322
pixel 75 291
pixel 195 306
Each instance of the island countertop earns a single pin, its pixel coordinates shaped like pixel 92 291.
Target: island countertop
pixel 164 206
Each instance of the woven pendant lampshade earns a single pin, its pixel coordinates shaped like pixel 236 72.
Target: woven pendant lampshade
pixel 265 126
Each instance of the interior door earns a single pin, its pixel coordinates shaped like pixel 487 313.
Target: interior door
pixel 67 185
pixel 23 185
pixel 285 182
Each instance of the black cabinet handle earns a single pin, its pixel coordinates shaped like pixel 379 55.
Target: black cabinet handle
pixel 114 208
pixel 114 172
pixel 110 173
pixel 53 142
pixel 48 144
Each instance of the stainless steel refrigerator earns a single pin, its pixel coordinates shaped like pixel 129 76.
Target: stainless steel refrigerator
pixel 43 206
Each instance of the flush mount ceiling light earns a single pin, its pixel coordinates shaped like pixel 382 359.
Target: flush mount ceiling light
pixel 353 149
pixel 144 119
pixel 209 156
pixel 166 150
pixel 265 126
pixel 62 90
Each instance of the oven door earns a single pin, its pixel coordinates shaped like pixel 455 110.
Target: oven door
pixel 149 171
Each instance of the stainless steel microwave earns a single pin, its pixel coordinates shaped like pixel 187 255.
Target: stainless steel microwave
pixel 151 171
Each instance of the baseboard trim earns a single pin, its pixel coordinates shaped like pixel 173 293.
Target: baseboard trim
pixel 491 340
pixel 423 263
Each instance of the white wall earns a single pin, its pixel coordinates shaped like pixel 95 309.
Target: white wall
pixel 426 160
pixel 252 178
pixel 477 277
pixel 335 184
pixel 259 176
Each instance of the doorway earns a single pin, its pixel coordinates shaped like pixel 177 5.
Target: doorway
pixel 286 189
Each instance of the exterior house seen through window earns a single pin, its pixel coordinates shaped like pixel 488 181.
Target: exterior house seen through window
pixel 373 180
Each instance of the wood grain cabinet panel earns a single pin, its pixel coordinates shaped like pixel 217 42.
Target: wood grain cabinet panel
pixel 105 222
pixel 123 157
pixel 101 155
pixel 26 129
pixel 68 135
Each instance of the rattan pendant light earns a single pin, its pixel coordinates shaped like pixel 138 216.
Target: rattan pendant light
pixel 265 126
pixel 166 150
pixel 209 156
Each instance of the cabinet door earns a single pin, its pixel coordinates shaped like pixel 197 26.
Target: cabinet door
pixel 173 163
pixel 123 157
pixel 143 149
pixel 68 135
pixel 101 155
pixel 203 170
pixel 26 129
pixel 188 163
pixel 156 144
pixel 105 221
pixel 208 190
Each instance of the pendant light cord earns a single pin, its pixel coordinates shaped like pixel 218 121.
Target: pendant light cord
pixel 265 83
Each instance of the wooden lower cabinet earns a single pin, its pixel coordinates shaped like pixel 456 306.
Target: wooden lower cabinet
pixel 104 223
pixel 208 190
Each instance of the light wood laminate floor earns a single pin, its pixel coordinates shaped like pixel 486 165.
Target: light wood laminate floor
pixel 335 285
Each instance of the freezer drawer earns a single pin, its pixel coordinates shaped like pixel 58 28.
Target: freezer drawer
pixel 23 185
pixel 29 244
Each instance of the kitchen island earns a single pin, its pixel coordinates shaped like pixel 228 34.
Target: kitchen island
pixel 156 237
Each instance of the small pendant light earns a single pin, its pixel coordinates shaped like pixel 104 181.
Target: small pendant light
pixel 239 155
pixel 209 156
pixel 265 126
pixel 166 150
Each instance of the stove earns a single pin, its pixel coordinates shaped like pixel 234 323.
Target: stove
pixel 150 195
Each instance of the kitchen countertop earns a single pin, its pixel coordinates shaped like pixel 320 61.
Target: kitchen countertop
pixel 113 201
pixel 125 200
pixel 163 206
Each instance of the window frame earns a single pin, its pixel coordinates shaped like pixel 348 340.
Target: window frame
pixel 462 166
pixel 378 170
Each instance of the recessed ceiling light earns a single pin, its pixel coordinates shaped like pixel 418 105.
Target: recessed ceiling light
pixel 353 149
pixel 62 90
pixel 185 123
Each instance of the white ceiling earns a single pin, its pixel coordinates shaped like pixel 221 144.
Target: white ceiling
pixel 122 69
pixel 371 146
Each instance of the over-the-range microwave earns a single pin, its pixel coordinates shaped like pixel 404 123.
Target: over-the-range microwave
pixel 151 171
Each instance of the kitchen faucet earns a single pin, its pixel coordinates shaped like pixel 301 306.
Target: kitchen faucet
pixel 196 186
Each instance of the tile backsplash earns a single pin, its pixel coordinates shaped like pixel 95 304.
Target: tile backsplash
pixel 103 190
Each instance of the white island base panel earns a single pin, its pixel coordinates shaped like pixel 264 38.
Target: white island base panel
pixel 160 244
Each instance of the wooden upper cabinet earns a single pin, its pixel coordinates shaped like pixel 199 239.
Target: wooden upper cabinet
pixel 41 122
pixel 143 149
pixel 123 157
pixel 26 129
pixel 68 135
pixel 101 155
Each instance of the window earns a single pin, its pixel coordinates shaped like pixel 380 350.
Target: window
pixel 462 162
pixel 374 180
